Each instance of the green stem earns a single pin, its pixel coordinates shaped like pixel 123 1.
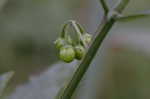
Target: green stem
pixel 134 16
pixel 105 7
pixel 79 33
pixel 63 33
pixel 121 5
pixel 77 27
pixel 97 41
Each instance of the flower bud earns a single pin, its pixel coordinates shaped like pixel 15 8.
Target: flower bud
pixel 67 53
pixel 60 42
pixel 87 38
pixel 80 52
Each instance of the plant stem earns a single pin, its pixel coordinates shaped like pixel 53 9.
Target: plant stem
pixel 121 5
pixel 97 41
pixel 105 7
pixel 135 16
pixel 78 33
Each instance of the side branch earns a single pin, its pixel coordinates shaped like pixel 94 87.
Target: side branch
pixel 105 7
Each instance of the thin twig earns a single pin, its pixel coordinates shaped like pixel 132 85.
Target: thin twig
pixel 121 4
pixel 139 15
pixel 105 7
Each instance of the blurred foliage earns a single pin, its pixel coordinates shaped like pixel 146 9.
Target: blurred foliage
pixel 27 31
pixel 127 75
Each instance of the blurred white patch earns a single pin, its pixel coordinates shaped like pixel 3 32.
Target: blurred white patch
pixel 4 79
pixel 47 85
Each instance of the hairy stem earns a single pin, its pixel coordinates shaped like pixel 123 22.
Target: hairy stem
pixel 97 41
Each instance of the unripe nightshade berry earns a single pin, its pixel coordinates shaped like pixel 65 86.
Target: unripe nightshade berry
pixel 80 52
pixel 87 38
pixel 60 42
pixel 67 53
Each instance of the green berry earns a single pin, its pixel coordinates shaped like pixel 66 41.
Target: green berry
pixel 60 42
pixel 67 53
pixel 80 52
pixel 87 38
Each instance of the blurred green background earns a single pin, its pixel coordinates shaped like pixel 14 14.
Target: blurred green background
pixel 28 29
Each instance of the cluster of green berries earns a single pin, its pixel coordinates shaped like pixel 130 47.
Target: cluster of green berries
pixel 68 50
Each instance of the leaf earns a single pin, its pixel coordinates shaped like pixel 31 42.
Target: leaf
pixel 134 17
pixel 4 79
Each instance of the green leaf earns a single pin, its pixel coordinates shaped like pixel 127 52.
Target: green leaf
pixel 134 17
pixel 4 79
